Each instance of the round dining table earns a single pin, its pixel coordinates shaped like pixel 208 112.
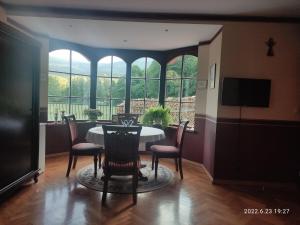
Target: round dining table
pixel 148 134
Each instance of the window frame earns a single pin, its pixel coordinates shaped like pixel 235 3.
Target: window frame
pixel 93 55
pixel 182 78
pixel 70 74
pixel 111 77
pixel 146 79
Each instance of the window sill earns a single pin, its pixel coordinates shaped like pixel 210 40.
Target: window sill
pixel 188 130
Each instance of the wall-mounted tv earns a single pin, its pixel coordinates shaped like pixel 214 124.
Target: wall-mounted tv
pixel 246 92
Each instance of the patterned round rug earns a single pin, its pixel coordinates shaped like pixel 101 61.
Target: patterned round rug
pixel 123 184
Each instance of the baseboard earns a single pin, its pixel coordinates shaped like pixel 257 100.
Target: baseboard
pixel 145 152
pixel 200 165
pixel 261 184
pixel 56 154
pixel 207 173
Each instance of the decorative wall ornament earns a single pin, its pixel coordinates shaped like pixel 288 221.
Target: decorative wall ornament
pixel 270 43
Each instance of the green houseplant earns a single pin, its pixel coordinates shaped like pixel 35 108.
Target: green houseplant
pixel 157 115
pixel 93 114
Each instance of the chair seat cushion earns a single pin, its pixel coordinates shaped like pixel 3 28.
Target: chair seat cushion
pixel 121 168
pixel 86 149
pixel 164 149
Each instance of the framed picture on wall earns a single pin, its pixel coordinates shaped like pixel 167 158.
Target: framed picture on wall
pixel 212 76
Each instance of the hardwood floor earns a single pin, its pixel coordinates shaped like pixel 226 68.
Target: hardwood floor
pixel 56 199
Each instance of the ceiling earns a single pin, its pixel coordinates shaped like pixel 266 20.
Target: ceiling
pixel 120 34
pixel 98 32
pixel 265 8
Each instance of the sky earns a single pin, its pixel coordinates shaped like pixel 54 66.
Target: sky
pixel 65 54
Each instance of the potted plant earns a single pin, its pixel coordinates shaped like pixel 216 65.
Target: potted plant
pixel 93 114
pixel 157 115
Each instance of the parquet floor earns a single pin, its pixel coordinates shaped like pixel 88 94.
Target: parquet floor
pixel 57 200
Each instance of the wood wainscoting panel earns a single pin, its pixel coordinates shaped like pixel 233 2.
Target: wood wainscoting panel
pixel 257 150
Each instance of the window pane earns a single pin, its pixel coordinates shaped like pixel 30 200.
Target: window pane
pixel 137 106
pixel 190 66
pixel 188 87
pixel 80 86
pixel 57 104
pixel 174 107
pixel 172 90
pixel 80 64
pixel 118 87
pixel 137 89
pixel 103 87
pixel 104 106
pixel 153 68
pixel 58 84
pixel 174 68
pixel 118 106
pixel 78 105
pixel 104 66
pixel 138 68
pixel 152 89
pixel 119 67
pixel 59 61
pixel 187 112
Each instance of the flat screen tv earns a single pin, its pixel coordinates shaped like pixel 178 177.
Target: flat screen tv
pixel 246 92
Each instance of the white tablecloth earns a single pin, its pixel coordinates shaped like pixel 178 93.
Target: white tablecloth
pixel 148 134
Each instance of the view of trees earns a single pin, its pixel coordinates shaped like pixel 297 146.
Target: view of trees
pixel 187 71
pixel 145 75
pixel 181 78
pixel 111 84
pixel 69 81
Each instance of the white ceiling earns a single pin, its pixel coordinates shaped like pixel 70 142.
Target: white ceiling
pixel 142 35
pixel 272 8
pixel 120 34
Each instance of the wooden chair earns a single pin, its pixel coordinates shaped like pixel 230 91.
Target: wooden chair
pixel 164 151
pixel 128 119
pixel 149 144
pixel 80 149
pixel 114 119
pixel 121 155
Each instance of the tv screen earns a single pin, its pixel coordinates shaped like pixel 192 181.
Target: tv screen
pixel 246 92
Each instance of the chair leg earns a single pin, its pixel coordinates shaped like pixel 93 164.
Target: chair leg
pixel 105 186
pixel 180 168
pixel 75 162
pixel 134 187
pixel 176 164
pixel 95 164
pixel 100 161
pixel 156 166
pixel 69 164
pixel 153 157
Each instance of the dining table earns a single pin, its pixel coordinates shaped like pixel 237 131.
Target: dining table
pixel 148 134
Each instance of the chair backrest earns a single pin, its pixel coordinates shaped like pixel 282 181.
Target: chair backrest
pixel 72 128
pixel 114 119
pixel 121 144
pixel 128 119
pixel 180 135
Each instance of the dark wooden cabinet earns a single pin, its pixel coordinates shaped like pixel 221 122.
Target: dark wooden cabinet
pixel 19 108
